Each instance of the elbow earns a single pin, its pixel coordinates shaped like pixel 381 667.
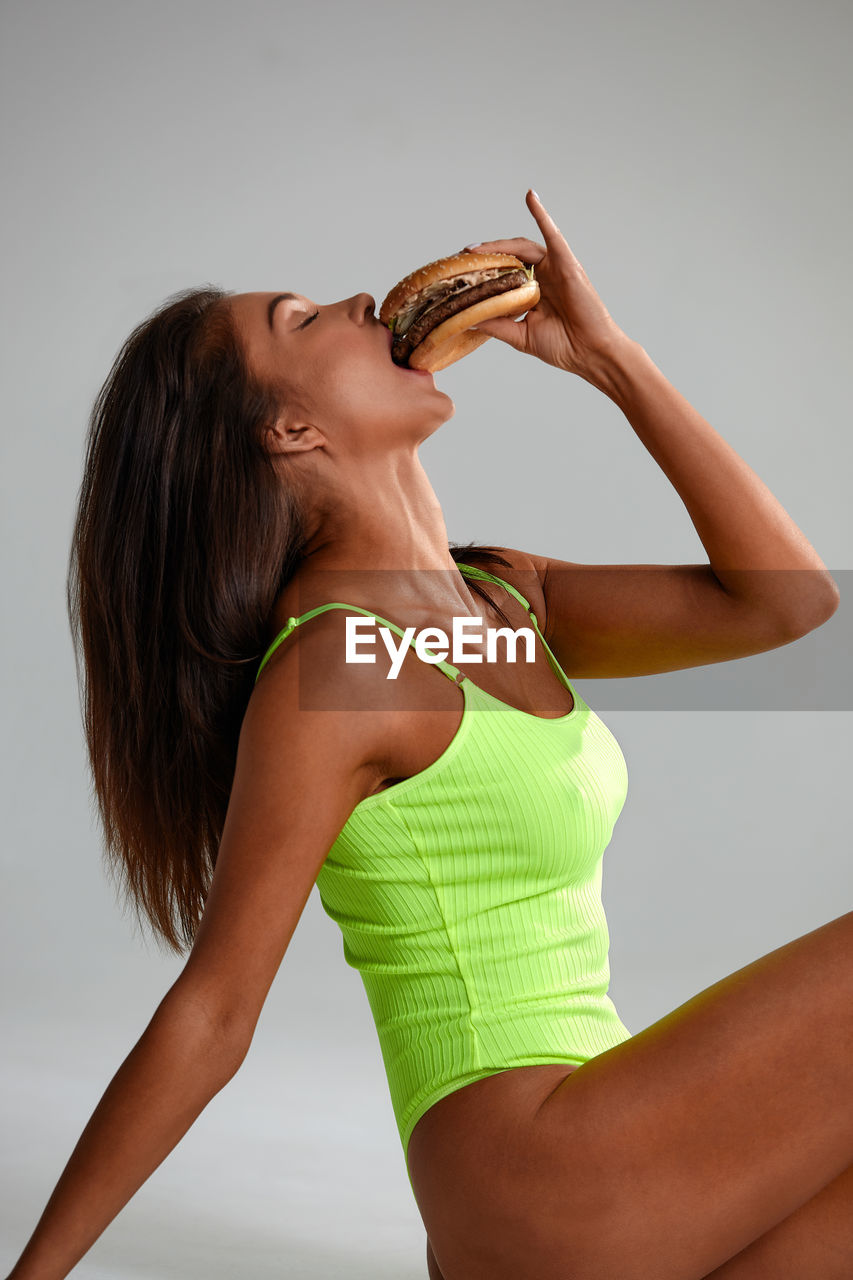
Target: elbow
pixel 814 613
pixel 834 594
pixel 229 1054
pixel 221 1042
pixel 227 1046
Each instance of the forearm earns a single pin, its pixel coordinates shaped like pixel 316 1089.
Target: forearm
pixel 751 541
pixel 162 1086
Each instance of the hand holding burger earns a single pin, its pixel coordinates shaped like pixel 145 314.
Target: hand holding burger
pixel 570 327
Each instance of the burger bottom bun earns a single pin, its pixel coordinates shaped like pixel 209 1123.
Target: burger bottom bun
pixel 453 339
pixel 453 348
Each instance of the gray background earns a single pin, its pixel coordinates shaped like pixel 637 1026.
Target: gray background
pixel 697 159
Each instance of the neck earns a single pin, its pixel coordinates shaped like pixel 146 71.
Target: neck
pixel 390 519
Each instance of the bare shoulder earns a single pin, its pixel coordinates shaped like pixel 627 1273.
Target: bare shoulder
pixel 306 757
pixel 309 688
pixel 525 572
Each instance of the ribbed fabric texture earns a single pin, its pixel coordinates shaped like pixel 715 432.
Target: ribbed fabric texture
pixel 469 896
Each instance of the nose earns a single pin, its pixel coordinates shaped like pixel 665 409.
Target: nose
pixel 363 307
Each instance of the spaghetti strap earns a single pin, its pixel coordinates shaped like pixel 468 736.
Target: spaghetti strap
pixel 453 673
pixel 481 573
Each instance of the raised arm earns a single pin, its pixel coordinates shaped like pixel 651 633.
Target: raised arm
pixel 764 584
pixel 299 774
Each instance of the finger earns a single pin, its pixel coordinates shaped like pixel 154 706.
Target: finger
pixel 506 329
pixel 546 223
pixel 519 246
pixel 554 238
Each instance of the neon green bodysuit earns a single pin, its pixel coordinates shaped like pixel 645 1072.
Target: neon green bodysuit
pixel 469 895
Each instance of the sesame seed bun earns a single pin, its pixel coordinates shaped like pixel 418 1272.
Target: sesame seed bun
pixel 456 264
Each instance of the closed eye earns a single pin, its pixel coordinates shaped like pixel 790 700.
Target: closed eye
pixel 308 320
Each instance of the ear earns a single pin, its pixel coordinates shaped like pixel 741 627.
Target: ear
pixel 293 437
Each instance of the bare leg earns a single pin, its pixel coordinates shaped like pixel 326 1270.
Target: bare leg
pixel 814 1241
pixel 674 1152
pixel 433 1269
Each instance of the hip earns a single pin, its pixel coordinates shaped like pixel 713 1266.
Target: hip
pixel 470 1144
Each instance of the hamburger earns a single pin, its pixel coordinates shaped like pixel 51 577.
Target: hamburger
pixel 431 311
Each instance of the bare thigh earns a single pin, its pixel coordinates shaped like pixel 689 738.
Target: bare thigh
pixel 815 1242
pixel 677 1150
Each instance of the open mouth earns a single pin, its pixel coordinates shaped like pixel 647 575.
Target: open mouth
pixel 425 373
pixel 407 368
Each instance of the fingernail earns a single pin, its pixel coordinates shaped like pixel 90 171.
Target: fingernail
pixel 475 245
pixel 536 194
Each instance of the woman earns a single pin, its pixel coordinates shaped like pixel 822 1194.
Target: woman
pixel 258 453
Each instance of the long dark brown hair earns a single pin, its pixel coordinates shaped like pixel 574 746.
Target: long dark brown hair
pixel 183 539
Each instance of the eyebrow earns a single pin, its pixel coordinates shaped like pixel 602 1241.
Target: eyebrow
pixel 281 297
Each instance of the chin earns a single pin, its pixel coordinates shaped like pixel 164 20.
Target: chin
pixel 449 409
pixel 433 422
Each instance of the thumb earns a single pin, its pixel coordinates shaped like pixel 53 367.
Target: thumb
pixel 504 327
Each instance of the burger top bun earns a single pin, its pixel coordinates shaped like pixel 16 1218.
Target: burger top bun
pixel 454 338
pixel 442 269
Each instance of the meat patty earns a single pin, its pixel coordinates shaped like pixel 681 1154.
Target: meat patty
pixel 451 304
